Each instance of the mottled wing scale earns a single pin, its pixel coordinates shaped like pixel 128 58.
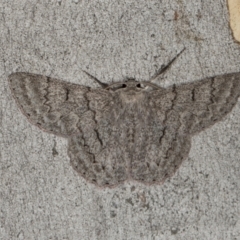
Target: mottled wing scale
pixel 156 161
pixel 205 102
pixel 116 134
pixel 99 155
pixel 53 105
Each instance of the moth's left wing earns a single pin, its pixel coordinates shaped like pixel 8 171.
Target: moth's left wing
pixel 51 104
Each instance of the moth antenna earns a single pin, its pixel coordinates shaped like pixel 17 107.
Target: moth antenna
pixel 165 67
pixel 104 85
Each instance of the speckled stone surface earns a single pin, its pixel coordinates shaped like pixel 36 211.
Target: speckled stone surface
pixel 41 196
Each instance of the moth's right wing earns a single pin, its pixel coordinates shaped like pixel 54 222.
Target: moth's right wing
pixel 201 104
pixel 181 111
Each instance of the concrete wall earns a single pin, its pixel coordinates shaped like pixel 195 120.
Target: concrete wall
pixel 41 196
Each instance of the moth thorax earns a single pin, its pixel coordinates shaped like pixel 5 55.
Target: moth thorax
pixel 131 96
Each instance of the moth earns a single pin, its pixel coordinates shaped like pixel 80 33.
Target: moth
pixel 128 130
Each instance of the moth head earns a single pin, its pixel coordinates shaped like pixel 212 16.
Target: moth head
pixel 132 87
pixel 131 90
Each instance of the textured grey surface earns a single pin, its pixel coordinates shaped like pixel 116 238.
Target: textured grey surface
pixel 41 197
